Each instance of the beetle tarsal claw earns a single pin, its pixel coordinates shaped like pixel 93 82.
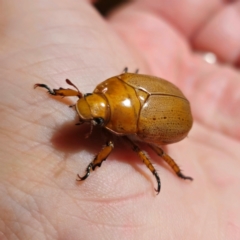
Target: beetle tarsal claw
pixel 50 91
pixel 86 175
pixel 158 182
pixel 181 175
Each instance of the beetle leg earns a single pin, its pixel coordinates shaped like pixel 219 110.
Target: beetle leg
pixel 169 161
pixel 146 161
pixel 102 155
pixel 64 92
pixel 125 70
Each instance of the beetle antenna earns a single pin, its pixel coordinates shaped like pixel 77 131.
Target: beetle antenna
pixel 70 83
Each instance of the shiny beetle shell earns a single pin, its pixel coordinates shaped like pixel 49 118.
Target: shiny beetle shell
pixel 152 108
pixel 134 107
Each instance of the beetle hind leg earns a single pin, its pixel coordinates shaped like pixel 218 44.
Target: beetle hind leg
pixel 146 161
pixel 125 70
pixel 170 162
pixel 97 162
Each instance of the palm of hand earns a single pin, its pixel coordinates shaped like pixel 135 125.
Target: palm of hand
pixel 42 150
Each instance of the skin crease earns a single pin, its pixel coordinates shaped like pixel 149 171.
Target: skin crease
pixel 41 150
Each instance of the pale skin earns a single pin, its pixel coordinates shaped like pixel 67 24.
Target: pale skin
pixel 42 151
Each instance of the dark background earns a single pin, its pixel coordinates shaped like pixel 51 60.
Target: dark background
pixel 104 6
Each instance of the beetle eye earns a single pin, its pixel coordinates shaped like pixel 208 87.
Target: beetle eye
pixel 98 121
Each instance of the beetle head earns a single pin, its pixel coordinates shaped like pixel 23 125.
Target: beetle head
pixel 93 108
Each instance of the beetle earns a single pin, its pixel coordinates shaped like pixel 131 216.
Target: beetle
pixel 135 107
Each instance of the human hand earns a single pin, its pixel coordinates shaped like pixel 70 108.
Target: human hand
pixel 42 150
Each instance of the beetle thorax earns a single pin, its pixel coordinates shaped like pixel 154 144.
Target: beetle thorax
pixel 93 106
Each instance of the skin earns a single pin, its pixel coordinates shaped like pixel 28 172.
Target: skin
pixel 41 150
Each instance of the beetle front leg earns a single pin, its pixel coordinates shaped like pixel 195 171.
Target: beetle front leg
pixel 169 161
pixel 64 92
pixel 102 155
pixel 146 161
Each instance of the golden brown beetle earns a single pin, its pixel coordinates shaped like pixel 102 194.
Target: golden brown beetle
pixel 138 108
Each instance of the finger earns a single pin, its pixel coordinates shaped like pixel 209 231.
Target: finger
pixel 221 34
pixel 186 16
pixel 207 25
pixel 164 49
pixel 213 91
